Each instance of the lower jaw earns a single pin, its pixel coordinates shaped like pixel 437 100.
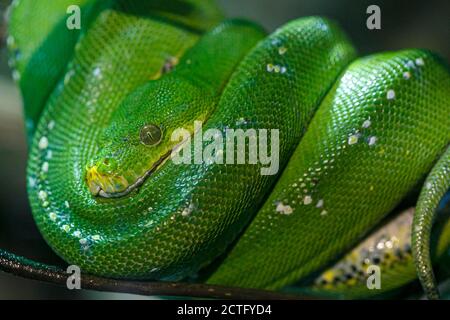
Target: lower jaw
pixel 138 183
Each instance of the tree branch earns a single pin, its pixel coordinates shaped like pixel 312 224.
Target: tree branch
pixel 26 268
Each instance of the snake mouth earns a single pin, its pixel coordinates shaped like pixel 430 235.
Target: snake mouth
pixel 105 187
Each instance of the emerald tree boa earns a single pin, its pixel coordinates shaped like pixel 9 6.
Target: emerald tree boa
pixel 346 139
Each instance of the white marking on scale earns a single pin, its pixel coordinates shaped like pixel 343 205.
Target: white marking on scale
pixel 43 143
pixel 52 216
pixel 32 182
pixel 281 208
pixel 42 195
pixel 353 139
pixel 97 72
pixel 420 62
pixel 45 167
pixel 390 94
pixel 307 200
pixel 319 203
pixel 187 211
pixel 282 50
pixel 366 124
pixel 51 125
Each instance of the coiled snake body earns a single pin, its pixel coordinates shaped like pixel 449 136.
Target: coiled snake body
pixel 356 137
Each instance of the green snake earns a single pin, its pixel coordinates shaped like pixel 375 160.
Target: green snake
pixel 357 136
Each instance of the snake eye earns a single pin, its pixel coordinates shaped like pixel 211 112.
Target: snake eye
pixel 151 135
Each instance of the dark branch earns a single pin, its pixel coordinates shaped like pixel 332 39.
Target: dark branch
pixel 30 269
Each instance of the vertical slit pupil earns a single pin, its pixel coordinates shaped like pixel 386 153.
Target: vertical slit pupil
pixel 151 135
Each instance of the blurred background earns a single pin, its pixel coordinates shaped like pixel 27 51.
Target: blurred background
pixel 404 24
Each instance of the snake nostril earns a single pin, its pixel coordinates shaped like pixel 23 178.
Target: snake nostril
pixel 106 166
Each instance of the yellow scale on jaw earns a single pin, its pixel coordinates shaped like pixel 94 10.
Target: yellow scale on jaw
pixel 110 184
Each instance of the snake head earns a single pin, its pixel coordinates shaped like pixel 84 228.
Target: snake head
pixel 138 140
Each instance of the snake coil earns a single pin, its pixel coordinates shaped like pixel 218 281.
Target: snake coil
pixel 356 136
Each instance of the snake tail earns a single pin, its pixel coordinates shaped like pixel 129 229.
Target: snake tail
pixel 436 185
